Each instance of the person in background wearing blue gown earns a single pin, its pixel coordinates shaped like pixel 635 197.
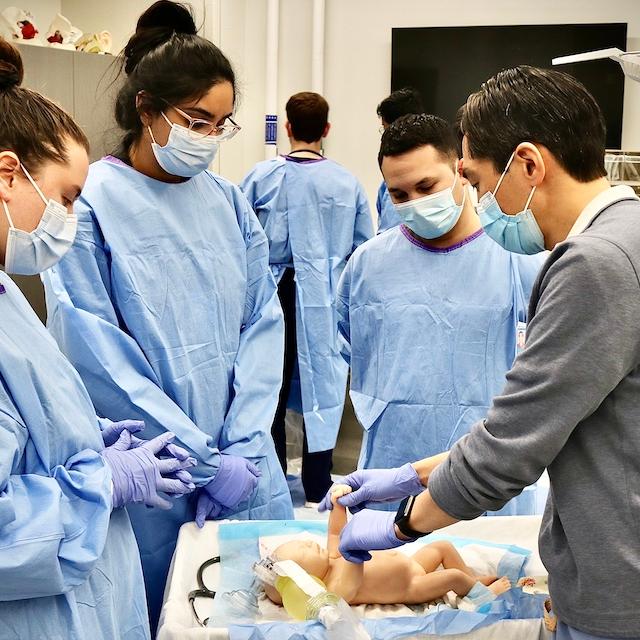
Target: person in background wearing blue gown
pixel 315 214
pixel 166 304
pixel 430 311
pixel 69 563
pixel 399 103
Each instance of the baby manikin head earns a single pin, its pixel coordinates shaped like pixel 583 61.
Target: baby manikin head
pixel 313 558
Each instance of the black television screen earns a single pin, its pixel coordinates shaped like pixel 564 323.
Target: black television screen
pixel 446 64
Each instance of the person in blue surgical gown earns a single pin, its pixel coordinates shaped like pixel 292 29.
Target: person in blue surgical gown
pixel 399 103
pixel 315 214
pixel 430 312
pixel 69 563
pixel 166 304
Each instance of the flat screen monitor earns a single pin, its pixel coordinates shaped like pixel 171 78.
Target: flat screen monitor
pixel 446 64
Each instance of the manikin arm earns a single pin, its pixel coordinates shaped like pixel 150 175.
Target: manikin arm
pixel 344 578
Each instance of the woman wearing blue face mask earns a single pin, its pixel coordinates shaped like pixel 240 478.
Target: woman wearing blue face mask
pixel 166 304
pixel 69 564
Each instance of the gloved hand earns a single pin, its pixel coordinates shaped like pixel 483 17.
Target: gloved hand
pixel 112 432
pixel 376 485
pixel 235 481
pixel 206 509
pixel 138 475
pixel 368 531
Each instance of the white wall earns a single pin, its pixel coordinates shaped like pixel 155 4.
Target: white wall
pixel 357 58
pixel 117 16
pixel 358 61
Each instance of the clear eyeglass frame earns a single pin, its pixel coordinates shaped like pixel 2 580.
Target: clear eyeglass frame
pixel 199 128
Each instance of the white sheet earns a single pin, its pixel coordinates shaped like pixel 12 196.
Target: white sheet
pixel 195 546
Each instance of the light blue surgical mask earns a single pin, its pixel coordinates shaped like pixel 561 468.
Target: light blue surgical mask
pixel 434 215
pixel 31 253
pixel 184 155
pixel 518 233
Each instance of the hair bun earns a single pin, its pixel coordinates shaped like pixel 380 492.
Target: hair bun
pixel 11 69
pixel 169 16
pixel 155 27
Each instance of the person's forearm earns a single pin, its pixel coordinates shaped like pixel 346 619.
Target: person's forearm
pixel 426 516
pixel 425 467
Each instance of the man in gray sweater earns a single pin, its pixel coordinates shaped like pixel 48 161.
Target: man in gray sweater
pixel 571 403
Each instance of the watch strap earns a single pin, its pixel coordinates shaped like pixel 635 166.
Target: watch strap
pixel 402 519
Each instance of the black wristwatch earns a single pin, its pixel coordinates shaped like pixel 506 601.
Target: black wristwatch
pixel 402 519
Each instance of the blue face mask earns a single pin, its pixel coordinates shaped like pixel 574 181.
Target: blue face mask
pixel 32 253
pixel 184 155
pixel 518 233
pixel 434 215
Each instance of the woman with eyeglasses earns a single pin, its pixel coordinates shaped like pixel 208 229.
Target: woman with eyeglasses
pixel 165 304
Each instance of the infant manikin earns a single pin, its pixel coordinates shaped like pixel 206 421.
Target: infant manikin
pixel 390 577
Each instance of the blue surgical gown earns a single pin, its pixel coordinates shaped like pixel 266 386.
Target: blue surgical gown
pixel 315 214
pixel 430 335
pixel 69 566
pixel 387 215
pixel 168 310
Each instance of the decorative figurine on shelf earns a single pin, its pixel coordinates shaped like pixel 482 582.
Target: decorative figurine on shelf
pixel 56 38
pixel 62 34
pixel 19 25
pixel 95 43
pixel 28 30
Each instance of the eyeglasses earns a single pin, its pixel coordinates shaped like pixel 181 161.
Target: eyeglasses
pixel 202 128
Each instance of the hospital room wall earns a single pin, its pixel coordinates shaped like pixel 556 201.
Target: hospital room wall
pixel 357 59
pixel 358 63
pixel 117 16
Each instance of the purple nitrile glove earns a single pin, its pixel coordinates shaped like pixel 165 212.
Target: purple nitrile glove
pixel 368 531
pixel 235 481
pixel 171 450
pixel 138 475
pixel 112 432
pixel 207 508
pixel 376 485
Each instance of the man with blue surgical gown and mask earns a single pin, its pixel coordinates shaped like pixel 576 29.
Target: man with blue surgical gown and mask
pixel 315 214
pixel 69 563
pixel 430 311
pixel 399 103
pixel 166 304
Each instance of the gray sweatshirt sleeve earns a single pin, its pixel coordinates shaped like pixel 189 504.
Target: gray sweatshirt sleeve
pixel 582 340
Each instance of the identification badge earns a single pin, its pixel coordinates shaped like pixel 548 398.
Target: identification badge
pixel 521 334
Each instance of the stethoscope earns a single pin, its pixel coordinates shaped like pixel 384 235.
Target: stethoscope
pixel 202 591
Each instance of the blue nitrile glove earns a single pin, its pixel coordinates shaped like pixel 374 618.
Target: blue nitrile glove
pixel 207 508
pixel 368 531
pixel 235 481
pixel 138 475
pixel 376 485
pixel 112 432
